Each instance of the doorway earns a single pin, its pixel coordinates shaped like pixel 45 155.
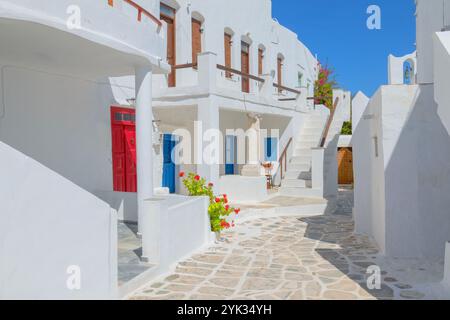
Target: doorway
pixel 245 66
pixel 168 15
pixel 123 129
pixel 345 166
pixel 169 167
pixel 230 154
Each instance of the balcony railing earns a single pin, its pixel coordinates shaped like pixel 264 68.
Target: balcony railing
pixel 140 11
pixel 260 80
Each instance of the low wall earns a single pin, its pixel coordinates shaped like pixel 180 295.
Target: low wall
pixel 48 225
pixel 247 189
pixel 173 228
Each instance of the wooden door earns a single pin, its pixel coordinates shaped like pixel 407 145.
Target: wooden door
pixel 123 133
pixel 130 158
pixel 260 62
pixel 227 44
pixel 169 167
pixel 280 73
pixel 196 40
pixel 245 66
pixel 345 166
pixel 168 15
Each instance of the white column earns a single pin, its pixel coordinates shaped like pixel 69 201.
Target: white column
pixel 207 71
pixel 253 167
pixel 207 160
pixel 144 138
pixel 318 160
pixel 267 88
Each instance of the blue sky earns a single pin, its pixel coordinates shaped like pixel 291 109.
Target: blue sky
pixel 336 31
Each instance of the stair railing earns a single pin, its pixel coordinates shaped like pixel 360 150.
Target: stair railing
pixel 326 131
pixel 283 159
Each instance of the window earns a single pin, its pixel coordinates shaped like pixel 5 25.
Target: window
pixel 271 152
pixel 196 39
pixel 260 61
pixel 228 44
pixel 280 73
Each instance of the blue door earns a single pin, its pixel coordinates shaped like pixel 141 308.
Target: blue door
pixel 168 164
pixel 230 155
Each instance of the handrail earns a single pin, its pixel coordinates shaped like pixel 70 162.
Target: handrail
pixel 240 73
pixel 283 88
pixel 284 157
pixel 140 11
pixel 329 122
pixel 186 66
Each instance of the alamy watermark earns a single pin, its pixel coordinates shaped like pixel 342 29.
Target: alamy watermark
pixel 73 281
pixel 374 19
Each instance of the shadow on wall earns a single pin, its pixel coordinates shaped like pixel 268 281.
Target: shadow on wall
pixel 418 183
pixel 401 196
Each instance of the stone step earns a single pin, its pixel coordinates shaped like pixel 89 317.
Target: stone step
pixel 302 152
pixel 307 144
pixel 301 160
pixel 313 131
pixel 298 174
pixel 298 167
pixel 309 137
pixel 301 192
pixel 296 183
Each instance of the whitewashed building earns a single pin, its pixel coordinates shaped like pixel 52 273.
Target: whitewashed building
pixel 93 95
pixel 402 149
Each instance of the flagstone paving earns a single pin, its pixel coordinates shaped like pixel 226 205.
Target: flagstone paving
pixel 276 258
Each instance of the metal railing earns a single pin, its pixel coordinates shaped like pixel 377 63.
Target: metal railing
pixel 141 11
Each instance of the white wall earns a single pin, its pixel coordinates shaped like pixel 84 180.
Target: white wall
pixel 49 224
pixel 261 30
pixel 441 72
pixel 396 74
pixel 430 18
pixel 414 150
pixel 115 27
pixel 359 104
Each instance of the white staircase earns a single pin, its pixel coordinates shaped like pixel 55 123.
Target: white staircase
pixel 297 179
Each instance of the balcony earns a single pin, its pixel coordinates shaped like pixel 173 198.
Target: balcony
pixel 209 77
pixel 93 26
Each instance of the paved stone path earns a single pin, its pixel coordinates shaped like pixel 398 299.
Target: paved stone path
pixel 283 258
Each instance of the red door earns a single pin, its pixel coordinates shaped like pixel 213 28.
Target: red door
pixel 123 130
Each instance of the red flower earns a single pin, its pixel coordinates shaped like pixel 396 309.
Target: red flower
pixel 225 196
pixel 225 200
pixel 211 185
pixel 182 174
pixel 227 207
pixel 218 200
pixel 237 211
pixel 197 178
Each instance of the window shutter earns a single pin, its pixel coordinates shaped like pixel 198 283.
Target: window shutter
pixel 196 39
pixel 227 40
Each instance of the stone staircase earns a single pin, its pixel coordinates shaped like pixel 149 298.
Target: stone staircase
pixel 297 179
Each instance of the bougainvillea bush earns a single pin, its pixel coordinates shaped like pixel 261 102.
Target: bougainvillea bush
pixel 323 89
pixel 219 209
